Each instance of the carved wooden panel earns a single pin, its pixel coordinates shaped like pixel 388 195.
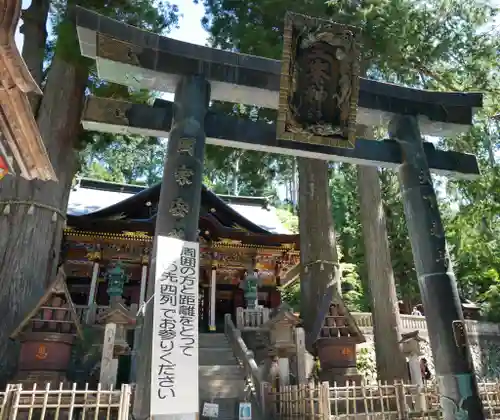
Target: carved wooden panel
pixel 333 355
pixel 319 82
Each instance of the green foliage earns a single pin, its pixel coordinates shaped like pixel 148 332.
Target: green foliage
pixel 85 354
pixel 291 295
pixel 242 172
pixel 436 44
pixel 289 220
pixel 365 363
pixel 157 17
pixel 400 248
pixel 471 213
pixel 352 289
pixel 126 159
pixel 345 209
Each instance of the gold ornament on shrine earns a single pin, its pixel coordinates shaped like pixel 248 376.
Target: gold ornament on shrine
pixel 319 84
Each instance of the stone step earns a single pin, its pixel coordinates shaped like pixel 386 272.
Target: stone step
pixel 216 356
pixel 221 388
pixel 212 340
pixel 221 371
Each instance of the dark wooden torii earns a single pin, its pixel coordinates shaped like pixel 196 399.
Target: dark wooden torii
pixel 139 59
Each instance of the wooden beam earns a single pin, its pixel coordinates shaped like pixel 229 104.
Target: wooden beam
pixel 129 56
pixel 108 115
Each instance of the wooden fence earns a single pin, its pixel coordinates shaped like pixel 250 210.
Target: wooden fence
pixel 17 403
pixel 366 402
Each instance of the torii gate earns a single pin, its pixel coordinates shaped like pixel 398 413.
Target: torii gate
pixel 132 57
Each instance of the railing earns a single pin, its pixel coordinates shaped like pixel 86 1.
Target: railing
pixel 367 401
pixel 253 319
pixel 62 403
pixel 417 322
pixel 246 360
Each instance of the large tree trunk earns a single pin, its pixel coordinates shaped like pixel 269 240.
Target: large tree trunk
pixel 35 36
pixel 30 243
pixel 391 363
pixel 317 237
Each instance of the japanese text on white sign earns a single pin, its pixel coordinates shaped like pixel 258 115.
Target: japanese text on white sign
pixel 174 368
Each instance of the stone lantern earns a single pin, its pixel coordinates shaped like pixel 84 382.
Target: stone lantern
pixel 412 347
pixel 117 320
pixel 124 320
pixel 281 327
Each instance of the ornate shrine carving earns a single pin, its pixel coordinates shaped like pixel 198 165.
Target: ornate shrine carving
pixel 319 82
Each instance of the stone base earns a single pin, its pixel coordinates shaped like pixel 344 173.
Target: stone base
pixel 340 376
pixel 41 378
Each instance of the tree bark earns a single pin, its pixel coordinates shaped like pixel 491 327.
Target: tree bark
pixel 391 363
pixel 30 243
pixel 35 38
pixel 317 237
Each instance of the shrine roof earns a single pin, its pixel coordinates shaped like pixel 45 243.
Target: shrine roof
pixel 110 207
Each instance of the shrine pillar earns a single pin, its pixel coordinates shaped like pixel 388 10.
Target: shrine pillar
pixel 213 292
pixel 144 279
pixel 178 213
pixel 95 257
pixel 438 287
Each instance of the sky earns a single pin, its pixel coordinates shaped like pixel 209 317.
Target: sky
pixel 190 29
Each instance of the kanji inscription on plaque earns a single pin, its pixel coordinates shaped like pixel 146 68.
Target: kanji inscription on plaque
pixel 319 82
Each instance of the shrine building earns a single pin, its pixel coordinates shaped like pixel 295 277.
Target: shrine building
pixel 110 222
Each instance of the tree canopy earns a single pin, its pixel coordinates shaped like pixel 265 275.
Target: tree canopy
pixel 437 44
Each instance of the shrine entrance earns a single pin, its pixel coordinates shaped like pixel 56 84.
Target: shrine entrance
pixel 227 298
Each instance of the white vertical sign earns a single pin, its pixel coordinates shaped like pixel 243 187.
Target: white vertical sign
pixel 107 364
pixel 174 366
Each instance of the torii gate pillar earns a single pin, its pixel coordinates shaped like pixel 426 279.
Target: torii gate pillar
pixel 178 212
pixel 437 283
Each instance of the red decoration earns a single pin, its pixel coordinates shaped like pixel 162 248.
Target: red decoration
pixel 4 168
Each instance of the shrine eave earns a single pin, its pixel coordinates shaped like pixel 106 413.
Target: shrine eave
pixel 134 219
pixel 157 62
pixel 141 206
pixel 231 131
pixel 104 230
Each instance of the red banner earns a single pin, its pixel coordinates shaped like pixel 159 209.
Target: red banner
pixel 4 168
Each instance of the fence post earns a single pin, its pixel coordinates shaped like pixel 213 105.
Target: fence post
pixel 12 404
pixel 402 407
pixel 263 394
pixel 7 403
pixel 325 400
